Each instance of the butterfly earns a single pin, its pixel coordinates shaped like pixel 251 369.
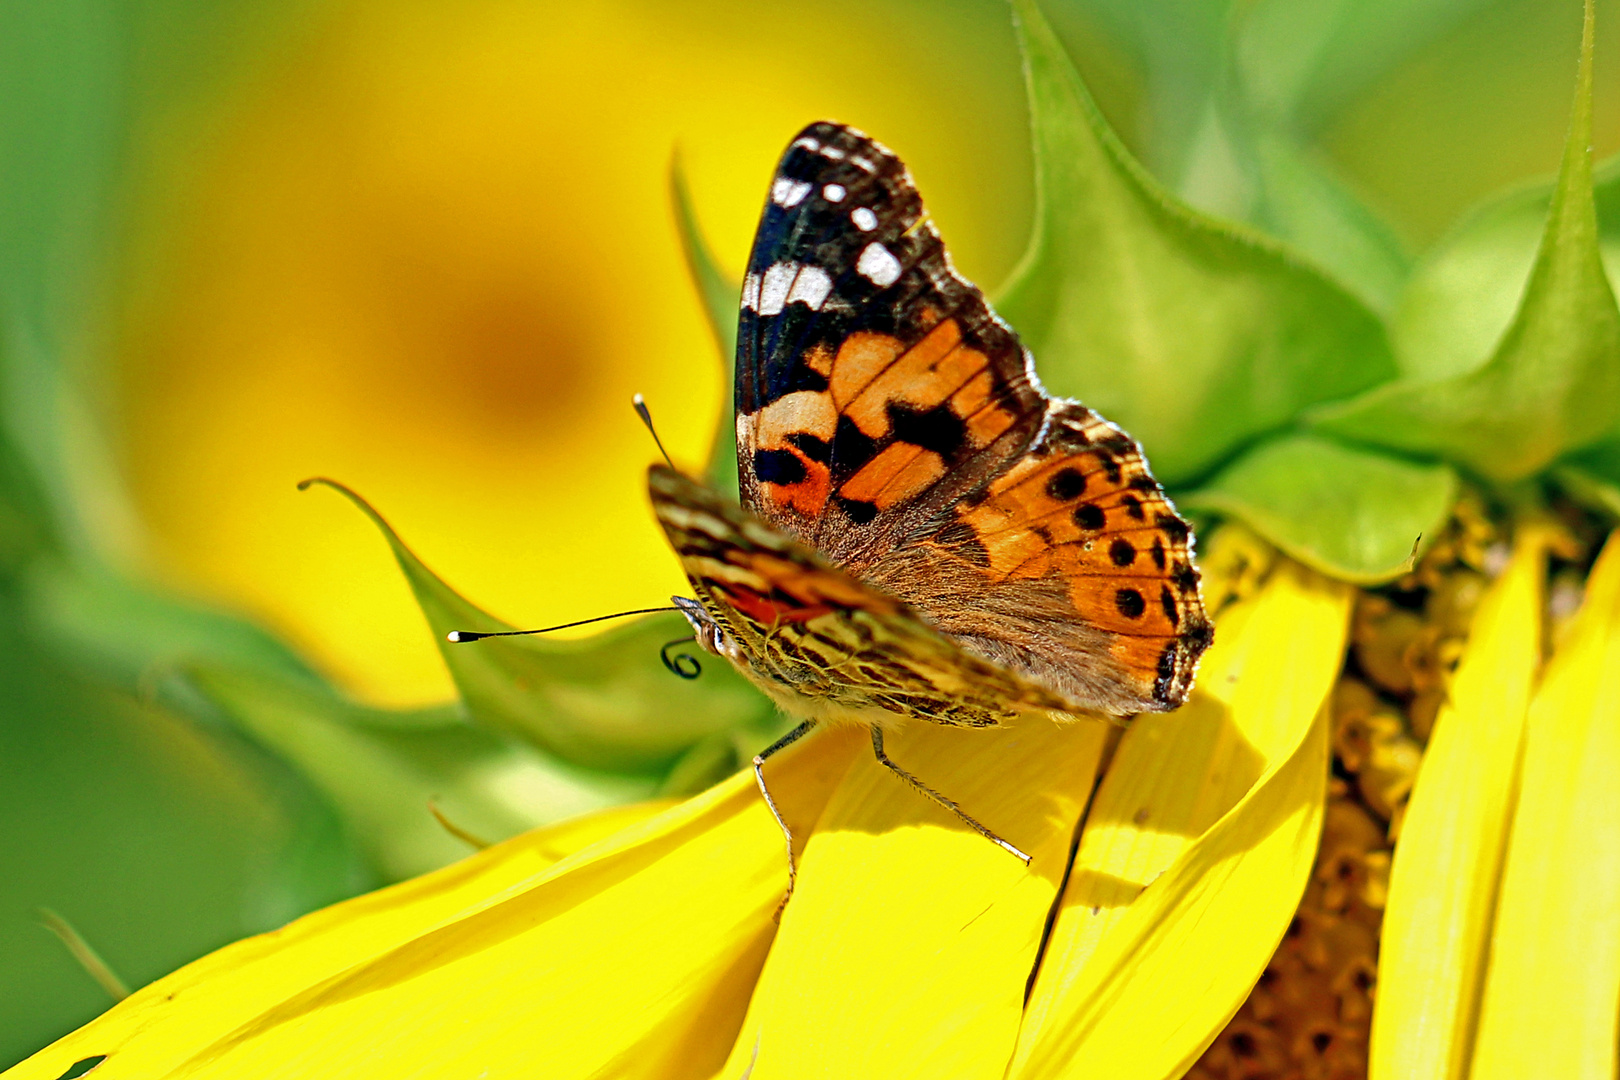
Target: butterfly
pixel 923 532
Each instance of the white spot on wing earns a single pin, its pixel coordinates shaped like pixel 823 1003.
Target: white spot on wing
pixel 750 292
pixel 810 287
pixel 773 289
pixel 807 143
pixel 833 193
pixel 863 218
pixel 832 153
pixel 878 265
pixel 787 192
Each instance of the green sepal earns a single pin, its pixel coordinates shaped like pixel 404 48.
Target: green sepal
pixel 1352 513
pixel 604 702
pixel 720 297
pixel 1194 335
pixel 1552 382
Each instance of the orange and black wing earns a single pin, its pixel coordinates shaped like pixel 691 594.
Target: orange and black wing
pixel 890 420
pixel 874 385
pixel 1070 567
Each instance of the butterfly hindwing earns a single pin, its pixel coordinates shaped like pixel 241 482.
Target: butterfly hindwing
pixel 1075 570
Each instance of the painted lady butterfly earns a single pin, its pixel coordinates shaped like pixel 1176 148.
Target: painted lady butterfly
pixel 923 531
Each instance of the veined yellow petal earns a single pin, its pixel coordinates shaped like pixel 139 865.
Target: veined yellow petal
pixel 907 949
pixel 1553 988
pixel 1443 881
pixel 635 954
pixel 1216 810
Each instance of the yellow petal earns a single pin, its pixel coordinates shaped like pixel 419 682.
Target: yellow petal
pixel 1443 880
pixel 906 950
pixel 1216 810
pixel 1553 988
pixel 632 954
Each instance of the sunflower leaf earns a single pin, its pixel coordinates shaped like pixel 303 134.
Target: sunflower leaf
pixel 1194 335
pixel 604 702
pixel 1354 514
pixel 1552 383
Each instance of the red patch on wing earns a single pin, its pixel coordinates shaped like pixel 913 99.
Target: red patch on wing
pixel 768 610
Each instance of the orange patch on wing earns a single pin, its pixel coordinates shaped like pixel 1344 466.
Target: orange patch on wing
pixel 900 471
pixel 1139 656
pixel 986 422
pixel 819 359
pixel 928 374
pixel 1020 553
pixel 860 359
pixel 807 496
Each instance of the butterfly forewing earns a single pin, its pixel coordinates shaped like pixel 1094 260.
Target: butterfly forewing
pixel 874 385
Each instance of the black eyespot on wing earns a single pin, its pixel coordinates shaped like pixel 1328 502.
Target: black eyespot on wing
pixel 778 467
pixel 1158 553
pixel 1169 603
pixel 1066 485
pixel 1110 465
pixel 1144 483
pixel 1130 603
pixel 1185 577
pixel 1089 516
pixel 1133 507
pixel 1122 552
pixel 861 513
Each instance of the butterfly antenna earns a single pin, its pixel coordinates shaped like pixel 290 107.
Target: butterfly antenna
pixel 461 636
pixel 646 418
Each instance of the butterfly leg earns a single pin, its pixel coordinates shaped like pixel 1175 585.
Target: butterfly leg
pixel 787 834
pixel 924 789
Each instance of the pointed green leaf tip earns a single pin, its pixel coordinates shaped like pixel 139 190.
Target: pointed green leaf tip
pixel 1553 382
pixel 721 298
pixel 1193 335
pixel 1354 514
pixel 604 702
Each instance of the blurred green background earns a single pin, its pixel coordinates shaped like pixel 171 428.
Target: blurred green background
pixel 428 249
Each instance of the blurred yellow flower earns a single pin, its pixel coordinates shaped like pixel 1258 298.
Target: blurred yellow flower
pixel 428 248
pixel 641 943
